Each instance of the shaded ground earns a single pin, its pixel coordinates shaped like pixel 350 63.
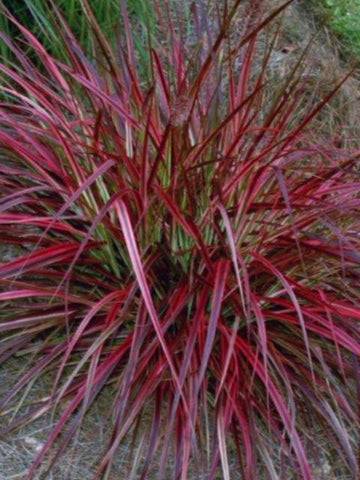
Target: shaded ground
pixel 19 449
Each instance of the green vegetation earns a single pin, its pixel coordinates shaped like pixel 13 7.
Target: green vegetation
pixel 38 19
pixel 343 18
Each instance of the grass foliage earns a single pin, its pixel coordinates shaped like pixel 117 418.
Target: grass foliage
pixel 343 18
pixel 180 240
pixel 36 16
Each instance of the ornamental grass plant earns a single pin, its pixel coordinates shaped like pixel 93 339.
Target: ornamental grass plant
pixel 180 239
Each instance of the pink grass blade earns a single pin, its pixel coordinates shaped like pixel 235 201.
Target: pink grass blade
pixel 221 273
pixel 140 275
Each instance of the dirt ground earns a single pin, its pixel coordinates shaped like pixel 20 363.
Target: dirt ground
pixel 17 451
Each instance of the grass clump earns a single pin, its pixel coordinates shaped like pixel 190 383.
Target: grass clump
pixel 343 18
pixel 182 241
pixel 36 16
